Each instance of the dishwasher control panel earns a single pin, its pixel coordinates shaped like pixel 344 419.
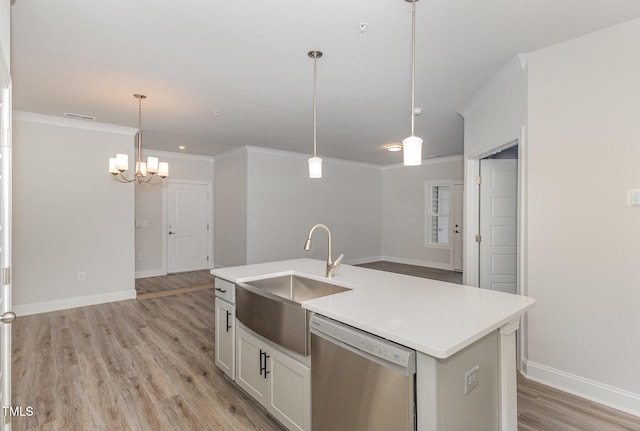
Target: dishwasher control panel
pixel 365 342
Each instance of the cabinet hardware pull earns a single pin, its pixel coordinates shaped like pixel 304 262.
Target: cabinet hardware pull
pixel 228 326
pixel 261 367
pixel 265 364
pixel 221 290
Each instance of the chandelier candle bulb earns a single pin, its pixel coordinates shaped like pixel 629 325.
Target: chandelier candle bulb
pixel 112 166
pixel 122 162
pixel 152 164
pixel 163 169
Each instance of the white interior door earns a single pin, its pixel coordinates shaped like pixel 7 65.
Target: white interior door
pixel 498 224
pixel 6 315
pixel 457 202
pixel 187 226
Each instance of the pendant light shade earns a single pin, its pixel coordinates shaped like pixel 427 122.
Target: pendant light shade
pixel 315 162
pixel 412 145
pixel 315 167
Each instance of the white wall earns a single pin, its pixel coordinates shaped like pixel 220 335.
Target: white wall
pixel 69 215
pixel 584 150
pixel 403 211
pixel 151 207
pixel 283 203
pixel 578 102
pixel 230 208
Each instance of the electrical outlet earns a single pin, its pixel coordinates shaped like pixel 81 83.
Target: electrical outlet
pixel 471 379
pixel 81 276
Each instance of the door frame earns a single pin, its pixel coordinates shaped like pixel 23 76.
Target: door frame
pixel 165 219
pixel 471 249
pixel 6 285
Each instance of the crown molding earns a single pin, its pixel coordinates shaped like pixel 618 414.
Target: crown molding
pixel 434 161
pixel 176 155
pixel 513 68
pixel 69 122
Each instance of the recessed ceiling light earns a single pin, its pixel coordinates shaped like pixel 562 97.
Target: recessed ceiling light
pixel 181 147
pixel 393 147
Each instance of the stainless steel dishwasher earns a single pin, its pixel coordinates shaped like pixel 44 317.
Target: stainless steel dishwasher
pixel 359 382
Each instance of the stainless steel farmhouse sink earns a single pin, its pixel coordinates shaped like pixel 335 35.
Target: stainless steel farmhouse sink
pixel 271 307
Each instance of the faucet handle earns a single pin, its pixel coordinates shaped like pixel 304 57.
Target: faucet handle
pixel 338 261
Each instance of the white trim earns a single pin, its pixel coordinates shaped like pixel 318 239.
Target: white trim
pixel 175 155
pixel 434 161
pixel 230 153
pixel 69 122
pixel 510 70
pixel 5 74
pixel 417 262
pixel 362 260
pixel 151 273
pixel 80 301
pixel 585 388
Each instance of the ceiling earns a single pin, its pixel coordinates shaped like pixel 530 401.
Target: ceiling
pixel 222 74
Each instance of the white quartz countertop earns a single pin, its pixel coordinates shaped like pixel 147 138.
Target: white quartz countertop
pixel 433 317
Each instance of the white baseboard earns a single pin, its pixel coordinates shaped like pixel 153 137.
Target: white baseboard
pixel 81 301
pixel 417 262
pixel 360 260
pixel 150 273
pixel 610 396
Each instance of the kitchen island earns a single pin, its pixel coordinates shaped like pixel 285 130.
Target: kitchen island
pixel 452 328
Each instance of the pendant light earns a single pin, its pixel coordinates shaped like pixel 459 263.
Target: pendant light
pixel 412 145
pixel 315 162
pixel 145 172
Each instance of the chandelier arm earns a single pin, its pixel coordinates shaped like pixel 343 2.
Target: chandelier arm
pixel 121 178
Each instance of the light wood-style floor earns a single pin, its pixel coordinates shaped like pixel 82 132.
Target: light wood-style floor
pixel 155 287
pixel 149 365
pixel 416 271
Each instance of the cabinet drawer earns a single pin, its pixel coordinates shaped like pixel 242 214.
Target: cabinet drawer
pixel 225 290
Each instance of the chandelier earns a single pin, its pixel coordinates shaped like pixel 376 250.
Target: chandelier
pixel 145 172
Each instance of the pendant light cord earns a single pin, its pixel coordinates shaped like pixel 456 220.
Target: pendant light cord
pixel 139 132
pixel 413 66
pixel 315 103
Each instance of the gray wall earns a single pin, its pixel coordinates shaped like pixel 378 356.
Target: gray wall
pixel 403 207
pixel 230 208
pixel 283 204
pixel 69 214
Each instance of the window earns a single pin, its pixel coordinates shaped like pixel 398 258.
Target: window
pixel 437 214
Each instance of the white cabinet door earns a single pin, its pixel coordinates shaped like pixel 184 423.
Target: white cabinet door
pixel 289 391
pixel 225 338
pixel 250 367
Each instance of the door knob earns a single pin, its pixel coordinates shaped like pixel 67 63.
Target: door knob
pixel 8 317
